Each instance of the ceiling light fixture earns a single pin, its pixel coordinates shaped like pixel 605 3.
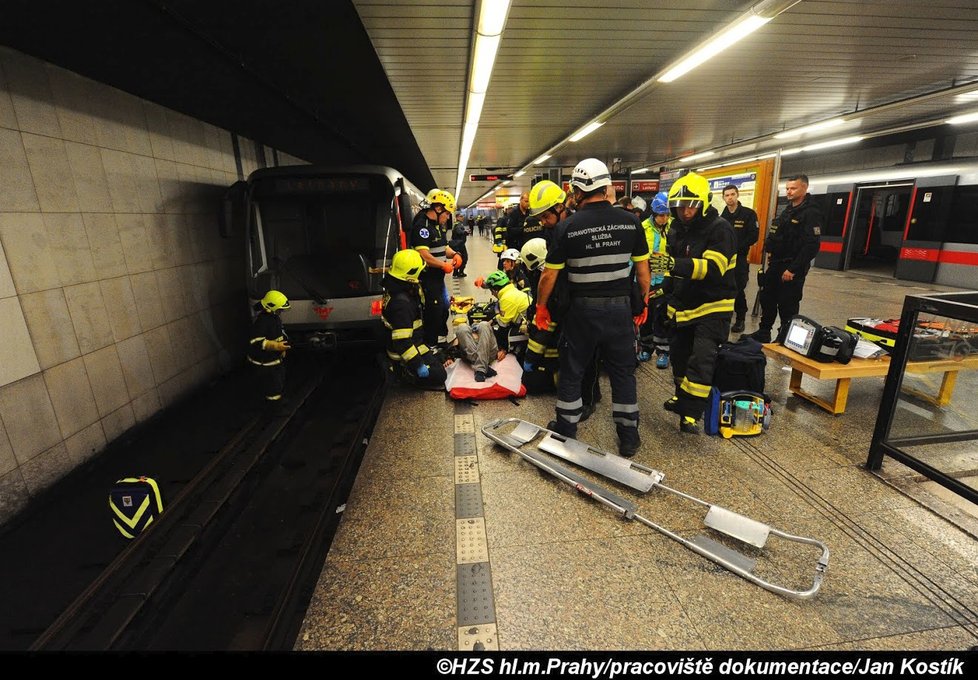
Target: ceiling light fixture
pixel 542 159
pixel 808 129
pixel 489 29
pixel 965 118
pixel 735 31
pixel 696 156
pixel 585 131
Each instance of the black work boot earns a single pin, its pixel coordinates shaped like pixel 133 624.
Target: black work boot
pixel 762 335
pixel 672 404
pixel 627 449
pixel 688 425
pixel 738 326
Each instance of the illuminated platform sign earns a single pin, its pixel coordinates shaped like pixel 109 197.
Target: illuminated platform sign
pixel 489 178
pixel 644 186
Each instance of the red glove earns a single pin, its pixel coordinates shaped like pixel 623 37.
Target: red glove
pixel 479 282
pixel 447 267
pixel 641 318
pixel 456 261
pixel 542 318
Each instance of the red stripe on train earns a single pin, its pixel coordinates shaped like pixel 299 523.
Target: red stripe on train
pixel 936 255
pixel 829 247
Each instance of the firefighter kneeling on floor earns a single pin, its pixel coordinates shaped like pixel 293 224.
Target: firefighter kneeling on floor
pixel 412 361
pixel 268 345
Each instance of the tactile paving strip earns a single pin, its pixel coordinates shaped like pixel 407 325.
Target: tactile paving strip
pixel 478 638
pixel 465 444
pixel 464 423
pixel 466 469
pixel 468 501
pixel 470 541
pixel 475 601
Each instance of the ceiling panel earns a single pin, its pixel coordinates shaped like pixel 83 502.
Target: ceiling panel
pixel 561 63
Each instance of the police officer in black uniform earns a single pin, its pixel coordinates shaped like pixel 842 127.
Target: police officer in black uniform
pixel 744 222
pixel 598 245
pixel 428 236
pixel 515 222
pixel 791 248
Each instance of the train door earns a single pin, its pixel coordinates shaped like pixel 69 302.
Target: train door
pixel 838 200
pixel 879 216
pixel 923 233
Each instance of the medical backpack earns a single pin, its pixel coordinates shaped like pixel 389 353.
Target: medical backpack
pixel 740 366
pixel 135 502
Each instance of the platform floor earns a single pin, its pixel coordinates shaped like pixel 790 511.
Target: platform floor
pixel 547 569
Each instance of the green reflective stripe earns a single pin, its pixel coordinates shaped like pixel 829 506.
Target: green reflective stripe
pixel 550 265
pixel 276 362
pixel 704 309
pixel 733 262
pixel 418 323
pixel 410 353
pixel 393 356
pixel 421 247
pixel 138 515
pixel 551 353
pixel 423 349
pixel 536 347
pixel 699 269
pixel 402 333
pixel 721 260
pixel 122 530
pixel 695 389
pixel 639 258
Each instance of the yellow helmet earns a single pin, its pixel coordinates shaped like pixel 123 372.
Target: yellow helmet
pixel 545 195
pixel 498 247
pixel 406 265
pixel 441 196
pixel 690 191
pixel 274 300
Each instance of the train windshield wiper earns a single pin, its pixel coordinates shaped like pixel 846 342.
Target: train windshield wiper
pixel 286 267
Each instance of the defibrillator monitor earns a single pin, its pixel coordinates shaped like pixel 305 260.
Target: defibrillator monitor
pixel 801 335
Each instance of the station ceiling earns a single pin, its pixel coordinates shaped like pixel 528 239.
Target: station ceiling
pixel 385 80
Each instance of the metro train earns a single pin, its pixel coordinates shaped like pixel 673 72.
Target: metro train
pixel 324 236
pixel 916 222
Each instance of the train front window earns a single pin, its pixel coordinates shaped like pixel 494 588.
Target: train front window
pixel 321 244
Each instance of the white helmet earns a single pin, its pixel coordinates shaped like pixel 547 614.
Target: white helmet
pixel 591 174
pixel 638 203
pixel 534 253
pixel 510 254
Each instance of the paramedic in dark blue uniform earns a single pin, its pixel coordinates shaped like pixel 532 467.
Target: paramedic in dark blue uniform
pixel 598 245
pixel 268 344
pixel 744 222
pixel 700 260
pixel 428 237
pixel 791 248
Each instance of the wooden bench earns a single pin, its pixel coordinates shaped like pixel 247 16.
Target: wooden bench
pixel 863 368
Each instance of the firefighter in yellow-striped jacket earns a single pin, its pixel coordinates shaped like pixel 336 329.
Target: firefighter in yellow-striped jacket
pixel 268 345
pixel 701 259
pixel 412 360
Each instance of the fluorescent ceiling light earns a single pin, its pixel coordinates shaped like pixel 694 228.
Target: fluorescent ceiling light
pixel 816 127
pixel 960 120
pixel 485 57
pixel 696 156
pixel 967 97
pixel 791 152
pixel 585 131
pixel 492 18
pixel 831 143
pixel 732 34
pixel 519 174
pixel 640 171
pixel 541 159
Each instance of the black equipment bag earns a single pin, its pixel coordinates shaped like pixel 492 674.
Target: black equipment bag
pixel 836 344
pixel 740 366
pixel 135 502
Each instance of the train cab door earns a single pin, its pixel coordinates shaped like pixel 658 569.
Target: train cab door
pixel 875 231
pixel 838 202
pixel 923 233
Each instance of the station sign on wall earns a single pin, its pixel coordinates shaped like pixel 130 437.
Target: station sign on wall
pixel 645 186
